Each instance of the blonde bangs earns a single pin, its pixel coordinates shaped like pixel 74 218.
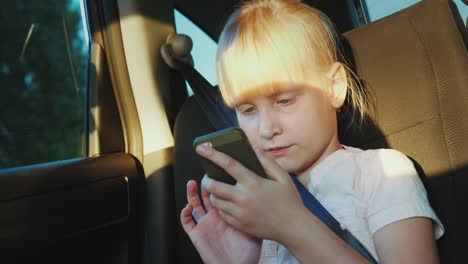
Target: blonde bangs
pixel 256 52
pixel 250 71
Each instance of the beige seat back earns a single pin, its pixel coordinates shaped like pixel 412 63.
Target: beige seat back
pixel 415 63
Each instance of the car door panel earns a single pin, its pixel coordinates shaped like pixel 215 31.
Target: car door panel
pixel 45 207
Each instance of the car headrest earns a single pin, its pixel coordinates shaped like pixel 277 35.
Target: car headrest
pixel 415 64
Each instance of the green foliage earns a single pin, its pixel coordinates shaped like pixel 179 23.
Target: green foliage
pixel 42 94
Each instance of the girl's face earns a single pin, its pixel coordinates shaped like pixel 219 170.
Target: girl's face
pixel 296 125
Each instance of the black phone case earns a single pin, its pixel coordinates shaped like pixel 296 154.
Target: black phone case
pixel 234 143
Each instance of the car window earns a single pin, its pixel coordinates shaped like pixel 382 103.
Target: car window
pixel 204 48
pixel 44 52
pixel 376 9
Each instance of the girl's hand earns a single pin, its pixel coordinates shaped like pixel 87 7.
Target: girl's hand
pixel 215 240
pixel 255 205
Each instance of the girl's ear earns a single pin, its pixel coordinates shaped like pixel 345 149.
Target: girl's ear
pixel 339 84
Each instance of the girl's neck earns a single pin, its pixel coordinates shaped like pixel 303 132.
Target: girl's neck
pixel 334 145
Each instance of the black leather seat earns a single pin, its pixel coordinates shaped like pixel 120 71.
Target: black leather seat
pixel 415 64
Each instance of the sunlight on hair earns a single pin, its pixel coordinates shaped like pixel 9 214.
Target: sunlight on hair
pixel 271 41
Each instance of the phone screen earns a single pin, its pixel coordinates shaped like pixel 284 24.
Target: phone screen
pixel 234 143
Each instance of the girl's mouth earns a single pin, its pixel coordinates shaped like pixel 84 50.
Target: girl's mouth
pixel 278 151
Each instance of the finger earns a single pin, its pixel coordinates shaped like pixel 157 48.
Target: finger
pixel 206 197
pixel 194 200
pixel 223 205
pixel 230 165
pixel 220 189
pixel 229 219
pixel 272 169
pixel 186 219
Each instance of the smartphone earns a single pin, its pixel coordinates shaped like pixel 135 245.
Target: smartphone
pixel 233 142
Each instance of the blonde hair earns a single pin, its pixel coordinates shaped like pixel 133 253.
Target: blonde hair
pixel 266 42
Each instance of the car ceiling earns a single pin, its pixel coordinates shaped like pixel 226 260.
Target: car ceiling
pixel 210 15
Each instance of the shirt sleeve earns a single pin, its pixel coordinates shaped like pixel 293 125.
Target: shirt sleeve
pixel 394 191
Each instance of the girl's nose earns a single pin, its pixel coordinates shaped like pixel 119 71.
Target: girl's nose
pixel 268 125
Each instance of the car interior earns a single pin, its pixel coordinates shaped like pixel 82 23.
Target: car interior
pixel 121 201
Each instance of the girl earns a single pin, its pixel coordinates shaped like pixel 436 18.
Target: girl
pixel 278 66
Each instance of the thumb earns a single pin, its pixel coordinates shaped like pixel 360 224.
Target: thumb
pixel 272 169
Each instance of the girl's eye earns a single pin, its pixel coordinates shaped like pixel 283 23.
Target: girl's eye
pixel 248 110
pixel 286 101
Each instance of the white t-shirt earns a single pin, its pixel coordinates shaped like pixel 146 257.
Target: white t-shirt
pixel 364 191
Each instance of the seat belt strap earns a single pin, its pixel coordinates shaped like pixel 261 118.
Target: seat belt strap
pixel 316 208
pixel 209 98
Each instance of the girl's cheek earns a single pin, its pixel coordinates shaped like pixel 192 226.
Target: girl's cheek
pixel 250 129
pixel 246 123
